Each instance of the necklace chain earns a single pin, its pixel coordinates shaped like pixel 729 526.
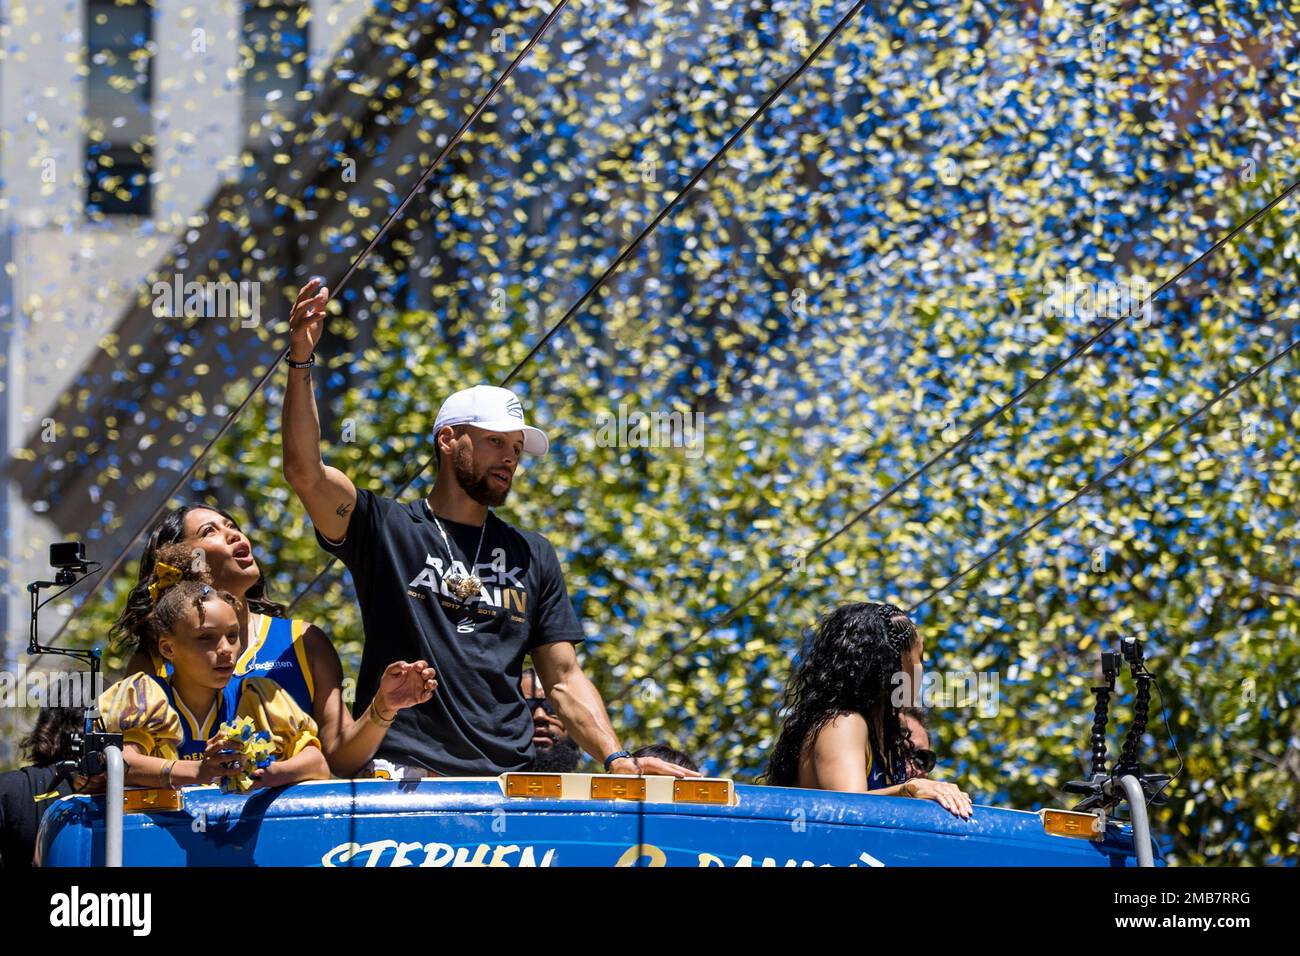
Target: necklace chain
pixel 464 586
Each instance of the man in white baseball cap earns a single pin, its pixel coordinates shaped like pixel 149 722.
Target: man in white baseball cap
pixel 492 409
pixel 445 579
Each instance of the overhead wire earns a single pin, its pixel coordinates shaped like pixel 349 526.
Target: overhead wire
pixel 231 418
pixel 916 474
pixel 626 252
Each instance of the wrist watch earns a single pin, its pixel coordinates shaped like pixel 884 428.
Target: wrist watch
pixel 617 755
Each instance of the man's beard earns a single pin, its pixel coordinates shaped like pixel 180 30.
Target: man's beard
pixel 562 756
pixel 478 488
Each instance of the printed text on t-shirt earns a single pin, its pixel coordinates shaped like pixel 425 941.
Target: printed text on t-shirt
pixel 510 594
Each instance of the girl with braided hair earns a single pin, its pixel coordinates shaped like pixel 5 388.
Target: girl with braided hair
pixel 843 729
pixel 296 654
pixel 171 725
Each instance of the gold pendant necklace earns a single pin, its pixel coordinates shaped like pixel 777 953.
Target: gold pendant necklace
pixel 464 586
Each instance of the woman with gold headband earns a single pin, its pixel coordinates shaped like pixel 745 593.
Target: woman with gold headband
pixel 295 653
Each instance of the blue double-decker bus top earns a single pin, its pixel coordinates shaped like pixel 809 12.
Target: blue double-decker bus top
pixel 470 822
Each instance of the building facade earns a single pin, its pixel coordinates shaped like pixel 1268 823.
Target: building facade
pixel 120 124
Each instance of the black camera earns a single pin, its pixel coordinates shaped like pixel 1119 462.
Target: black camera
pixel 86 750
pixel 68 555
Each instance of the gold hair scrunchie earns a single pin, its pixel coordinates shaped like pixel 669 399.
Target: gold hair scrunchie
pixel 164 576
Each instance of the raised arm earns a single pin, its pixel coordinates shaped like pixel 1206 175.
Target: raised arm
pixel 349 744
pixel 328 495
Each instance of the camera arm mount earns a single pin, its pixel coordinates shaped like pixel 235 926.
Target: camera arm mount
pixel 94 751
pixel 67 578
pixel 88 747
pixel 1105 789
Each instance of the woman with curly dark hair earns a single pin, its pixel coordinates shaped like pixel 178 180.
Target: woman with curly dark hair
pixel 843 729
pixel 294 653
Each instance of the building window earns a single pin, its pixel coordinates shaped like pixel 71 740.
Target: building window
pixel 120 51
pixel 273 57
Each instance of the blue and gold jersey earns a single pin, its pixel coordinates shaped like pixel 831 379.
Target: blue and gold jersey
pixel 148 713
pixel 196 730
pixel 276 651
pixel 145 710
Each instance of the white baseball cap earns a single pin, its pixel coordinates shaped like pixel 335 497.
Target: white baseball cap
pixel 492 409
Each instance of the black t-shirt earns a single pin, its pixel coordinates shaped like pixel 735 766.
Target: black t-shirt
pixel 477 722
pixel 20 814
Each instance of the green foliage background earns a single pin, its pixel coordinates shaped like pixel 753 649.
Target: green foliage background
pixel 863 279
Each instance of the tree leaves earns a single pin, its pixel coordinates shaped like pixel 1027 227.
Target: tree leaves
pixel 868 274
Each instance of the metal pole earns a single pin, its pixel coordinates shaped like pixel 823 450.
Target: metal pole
pixel 1137 803
pixel 113 800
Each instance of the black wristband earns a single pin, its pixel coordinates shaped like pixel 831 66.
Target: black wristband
pixel 615 756
pixel 307 364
